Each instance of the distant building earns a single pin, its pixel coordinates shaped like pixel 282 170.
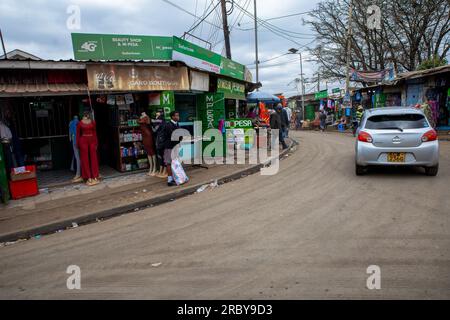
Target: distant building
pixel 18 54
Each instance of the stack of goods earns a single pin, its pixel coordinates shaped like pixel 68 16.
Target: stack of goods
pixel 130 136
pixel 136 150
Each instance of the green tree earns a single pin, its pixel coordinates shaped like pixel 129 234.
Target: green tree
pixel 411 32
pixel 432 63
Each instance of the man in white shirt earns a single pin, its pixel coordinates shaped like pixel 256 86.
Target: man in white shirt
pixel 289 114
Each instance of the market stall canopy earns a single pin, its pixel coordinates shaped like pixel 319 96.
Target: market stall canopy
pixel 260 96
pixel 7 90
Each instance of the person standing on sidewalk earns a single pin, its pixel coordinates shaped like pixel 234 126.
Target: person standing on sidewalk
pixel 158 130
pixel 276 124
pixel 169 145
pixel 284 120
pixel 289 117
pixel 323 120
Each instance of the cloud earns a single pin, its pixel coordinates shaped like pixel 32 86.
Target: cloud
pixel 39 27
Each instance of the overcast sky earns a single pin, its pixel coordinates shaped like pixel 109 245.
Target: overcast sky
pixel 39 27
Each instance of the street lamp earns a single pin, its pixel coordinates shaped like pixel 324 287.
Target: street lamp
pixel 294 51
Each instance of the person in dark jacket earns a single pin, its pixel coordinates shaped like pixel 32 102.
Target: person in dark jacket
pixel 169 145
pixel 158 129
pixel 323 120
pixel 276 123
pixel 284 120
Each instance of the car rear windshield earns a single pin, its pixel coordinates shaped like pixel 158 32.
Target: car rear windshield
pixel 397 121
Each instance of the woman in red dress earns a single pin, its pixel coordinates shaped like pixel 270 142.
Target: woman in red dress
pixel 87 144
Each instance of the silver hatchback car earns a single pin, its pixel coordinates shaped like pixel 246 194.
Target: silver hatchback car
pixel 396 136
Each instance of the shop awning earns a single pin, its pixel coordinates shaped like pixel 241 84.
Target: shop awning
pixel 24 90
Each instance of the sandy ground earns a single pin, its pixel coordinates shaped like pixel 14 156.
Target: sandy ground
pixel 310 231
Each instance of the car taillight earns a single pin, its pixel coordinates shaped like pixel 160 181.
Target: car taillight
pixel 365 137
pixel 430 136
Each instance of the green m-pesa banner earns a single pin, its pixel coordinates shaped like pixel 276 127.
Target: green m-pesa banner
pixel 210 111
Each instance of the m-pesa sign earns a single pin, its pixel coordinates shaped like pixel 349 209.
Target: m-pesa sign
pixel 239 124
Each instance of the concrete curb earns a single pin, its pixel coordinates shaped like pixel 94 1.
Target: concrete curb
pixel 132 207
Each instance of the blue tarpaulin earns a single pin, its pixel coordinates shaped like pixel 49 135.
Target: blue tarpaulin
pixel 260 96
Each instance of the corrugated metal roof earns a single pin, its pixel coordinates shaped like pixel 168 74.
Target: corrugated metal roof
pixel 41 89
pixel 422 73
pixel 409 76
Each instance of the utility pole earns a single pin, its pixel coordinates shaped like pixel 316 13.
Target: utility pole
pixel 256 44
pixel 295 51
pixel 349 35
pixel 226 30
pixel 3 45
pixel 303 84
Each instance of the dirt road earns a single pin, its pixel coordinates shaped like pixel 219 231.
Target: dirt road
pixel 311 231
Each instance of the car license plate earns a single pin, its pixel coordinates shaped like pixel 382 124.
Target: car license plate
pixel 396 157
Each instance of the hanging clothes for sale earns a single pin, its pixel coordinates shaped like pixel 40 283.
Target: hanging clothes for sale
pixel 87 144
pixel 330 104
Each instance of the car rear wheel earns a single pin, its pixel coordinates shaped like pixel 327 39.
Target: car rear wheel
pixel 360 170
pixel 432 171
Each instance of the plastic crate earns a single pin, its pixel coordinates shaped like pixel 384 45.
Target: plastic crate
pixel 21 188
pixel 24 188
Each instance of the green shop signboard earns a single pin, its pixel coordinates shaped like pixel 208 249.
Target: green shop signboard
pixel 121 47
pixel 232 69
pixel 203 59
pixel 240 131
pixel 167 103
pixel 231 90
pixel 87 46
pixel 239 124
pixel 195 56
pixel 210 110
pixel 164 101
pixel 321 95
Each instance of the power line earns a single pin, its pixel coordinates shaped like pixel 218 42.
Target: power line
pixel 214 33
pixel 241 14
pixel 203 19
pixel 296 35
pixel 189 13
pixel 270 28
pixel 287 16
pixel 271 59
pixel 276 64
pixel 202 15
pixel 204 12
pixel 264 22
